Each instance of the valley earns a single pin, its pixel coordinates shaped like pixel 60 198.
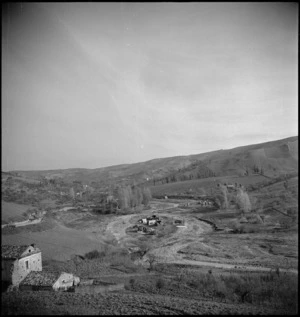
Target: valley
pixel 225 242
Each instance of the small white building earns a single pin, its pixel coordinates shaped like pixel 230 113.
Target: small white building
pixel 152 222
pixel 144 221
pixel 18 261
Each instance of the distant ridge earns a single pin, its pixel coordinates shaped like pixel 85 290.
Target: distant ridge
pixel 273 157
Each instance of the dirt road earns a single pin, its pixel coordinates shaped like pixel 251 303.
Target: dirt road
pixel 23 223
pixel 117 228
pixel 240 267
pixel 166 249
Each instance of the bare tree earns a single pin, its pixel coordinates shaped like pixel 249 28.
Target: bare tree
pixel 146 196
pixel 72 193
pixel 225 195
pixel 151 259
pixel 243 200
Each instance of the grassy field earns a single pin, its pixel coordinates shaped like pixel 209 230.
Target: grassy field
pixel 57 243
pixel 12 212
pixel 203 186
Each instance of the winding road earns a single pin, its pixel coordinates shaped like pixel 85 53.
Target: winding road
pixel 166 249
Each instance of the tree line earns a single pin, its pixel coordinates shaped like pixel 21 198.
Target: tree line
pixel 133 196
pixel 179 177
pixel 125 198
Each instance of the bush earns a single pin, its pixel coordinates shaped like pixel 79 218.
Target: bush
pixel 279 290
pixel 95 254
pixel 160 283
pixel 132 281
pixel 130 284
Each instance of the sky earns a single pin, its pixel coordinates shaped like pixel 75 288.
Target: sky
pixel 87 85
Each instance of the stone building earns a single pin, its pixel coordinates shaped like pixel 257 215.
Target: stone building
pixel 50 281
pixel 18 261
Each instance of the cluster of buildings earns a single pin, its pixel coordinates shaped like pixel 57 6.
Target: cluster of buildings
pixel 205 202
pixel 150 221
pixel 22 268
pixel 144 225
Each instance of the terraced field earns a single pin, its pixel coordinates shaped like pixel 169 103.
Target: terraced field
pixel 125 303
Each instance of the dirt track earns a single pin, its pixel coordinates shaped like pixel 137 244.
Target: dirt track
pixel 166 249
pixel 117 229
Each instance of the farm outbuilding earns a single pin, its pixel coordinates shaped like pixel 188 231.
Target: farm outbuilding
pixel 150 221
pixel 19 261
pixel 50 281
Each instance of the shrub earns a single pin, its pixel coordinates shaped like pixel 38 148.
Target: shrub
pixel 132 281
pixel 95 254
pixel 130 284
pixel 160 283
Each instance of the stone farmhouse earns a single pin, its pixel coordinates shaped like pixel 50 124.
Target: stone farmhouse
pixel 18 261
pixel 22 268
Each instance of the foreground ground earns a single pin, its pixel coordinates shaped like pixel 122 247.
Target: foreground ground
pixel 127 303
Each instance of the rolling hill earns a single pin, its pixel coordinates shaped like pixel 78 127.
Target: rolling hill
pixel 274 158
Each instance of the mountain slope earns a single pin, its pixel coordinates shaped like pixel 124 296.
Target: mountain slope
pixel 275 157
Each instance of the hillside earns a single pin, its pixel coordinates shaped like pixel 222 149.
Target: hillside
pixel 274 158
pixel 207 254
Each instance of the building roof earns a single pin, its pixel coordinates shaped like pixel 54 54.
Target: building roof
pixel 40 278
pixel 15 251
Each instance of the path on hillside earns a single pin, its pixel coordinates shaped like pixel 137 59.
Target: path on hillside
pixel 22 223
pixel 118 227
pixel 238 267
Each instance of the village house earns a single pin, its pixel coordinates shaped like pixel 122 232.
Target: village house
pixel 22 267
pixel 49 281
pixel 19 261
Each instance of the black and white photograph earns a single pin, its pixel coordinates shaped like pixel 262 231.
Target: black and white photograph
pixel 149 158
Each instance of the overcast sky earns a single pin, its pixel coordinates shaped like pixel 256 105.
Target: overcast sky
pixel 98 84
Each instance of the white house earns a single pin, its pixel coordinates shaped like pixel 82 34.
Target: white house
pixel 19 261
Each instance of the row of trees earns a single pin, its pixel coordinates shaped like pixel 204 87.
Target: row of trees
pixel 124 197
pixel 133 196
pixel 206 173
pixel 240 198
pixel 258 170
